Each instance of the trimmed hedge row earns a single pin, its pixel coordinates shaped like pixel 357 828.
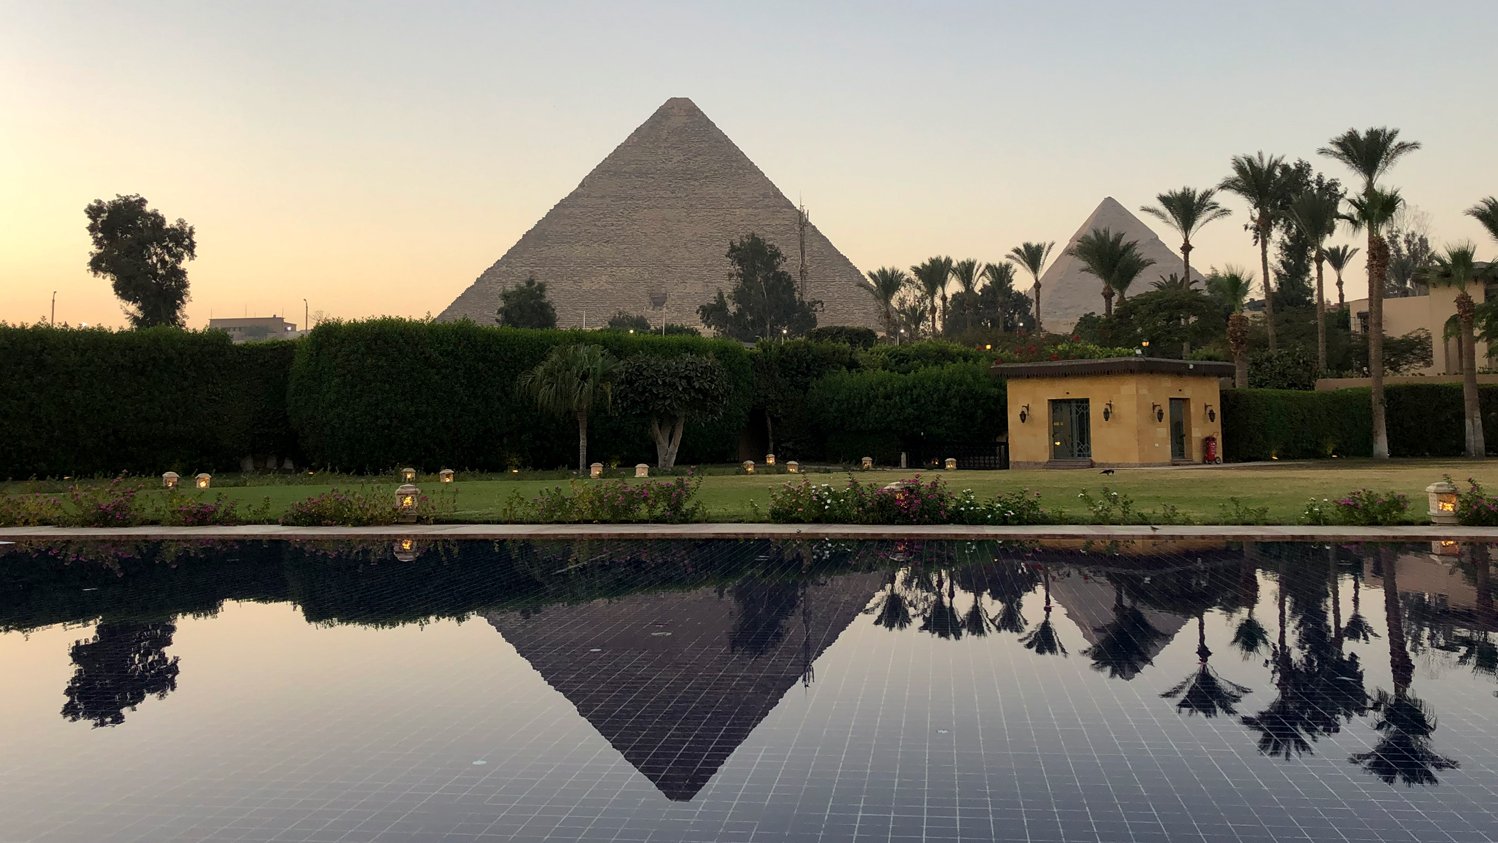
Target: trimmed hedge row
pixel 878 413
pixel 1424 420
pixel 82 402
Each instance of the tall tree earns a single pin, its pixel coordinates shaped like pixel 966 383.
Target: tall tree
pixel 1315 214
pixel 931 279
pixel 1340 257
pixel 1411 255
pixel 1232 287
pixel 572 380
pixel 1261 181
pixel 1458 268
pixel 668 391
pixel 1294 252
pixel 966 273
pixel 1006 306
pixel 1486 212
pixel 526 306
pixel 142 256
pixel 764 301
pixel 1370 154
pixel 1032 256
pixel 1187 211
pixel 885 285
pixel 1108 257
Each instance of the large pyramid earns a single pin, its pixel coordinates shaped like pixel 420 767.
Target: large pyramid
pixel 1067 293
pixel 647 230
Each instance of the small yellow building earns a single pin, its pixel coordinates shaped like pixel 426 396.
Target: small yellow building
pixel 1113 412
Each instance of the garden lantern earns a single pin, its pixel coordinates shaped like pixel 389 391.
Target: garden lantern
pixel 169 480
pixel 769 459
pixel 445 475
pixel 1442 497
pixel 405 503
pixel 595 470
pixel 793 467
pixel 405 549
pixel 642 470
pixel 203 481
pixel 408 475
pixel 748 466
pixel 868 463
pixel 1445 547
pixel 950 464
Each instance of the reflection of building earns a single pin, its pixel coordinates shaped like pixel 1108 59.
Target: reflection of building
pixel 251 328
pixel 677 681
pixel 1436 573
pixel 1118 411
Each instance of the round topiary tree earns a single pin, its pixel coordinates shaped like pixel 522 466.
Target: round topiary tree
pixel 668 391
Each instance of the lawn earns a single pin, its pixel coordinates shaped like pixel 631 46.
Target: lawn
pixel 1203 494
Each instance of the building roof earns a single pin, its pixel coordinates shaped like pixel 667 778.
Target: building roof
pixel 1115 366
pixel 647 232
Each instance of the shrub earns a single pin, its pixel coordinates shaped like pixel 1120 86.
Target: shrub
pixel 181 509
pixel 902 502
pixel 878 413
pixel 844 335
pixel 783 372
pixel 1359 508
pixel 1476 508
pixel 109 505
pixel 612 502
pixel 359 508
pixel 30 510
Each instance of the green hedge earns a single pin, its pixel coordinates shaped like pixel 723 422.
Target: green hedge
pixel 1424 420
pixel 86 402
pixel 367 396
pixel 879 412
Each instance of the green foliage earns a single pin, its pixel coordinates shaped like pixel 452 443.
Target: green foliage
pixel 95 401
pixel 366 396
pixel 1290 367
pixel 783 372
pixel 669 390
pixel 362 508
pixel 1304 218
pixel 860 338
pixel 1262 424
pixel 765 301
pixel 1108 257
pixel 526 306
pixel 1476 508
pixel 625 321
pixel 901 502
pixel 142 256
pixel 1167 318
pixel 612 502
pixel 1402 354
pixel 1358 508
pixel 125 503
pixel 908 357
pixel 876 412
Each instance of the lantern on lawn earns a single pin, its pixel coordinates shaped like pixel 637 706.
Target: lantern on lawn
pixel 406 549
pixel 793 467
pixel 203 481
pixel 769 459
pixel 950 464
pixel 169 480
pixel 595 470
pixel 1442 497
pixel 642 470
pixel 867 463
pixel 405 503
pixel 748 466
pixel 445 475
pixel 408 475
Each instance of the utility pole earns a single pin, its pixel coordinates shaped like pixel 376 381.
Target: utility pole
pixel 53 320
pixel 803 219
pixel 305 318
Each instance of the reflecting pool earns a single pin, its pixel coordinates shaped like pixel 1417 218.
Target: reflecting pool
pixel 747 690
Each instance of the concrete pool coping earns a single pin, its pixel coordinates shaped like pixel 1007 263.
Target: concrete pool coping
pixel 766 531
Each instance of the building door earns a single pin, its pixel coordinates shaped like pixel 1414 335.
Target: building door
pixel 1071 429
pixel 1179 429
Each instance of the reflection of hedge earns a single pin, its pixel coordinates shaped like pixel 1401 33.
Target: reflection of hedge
pixel 85 402
pixel 1424 420
pixel 371 395
pixel 879 413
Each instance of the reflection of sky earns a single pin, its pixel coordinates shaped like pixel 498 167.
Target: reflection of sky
pixel 279 724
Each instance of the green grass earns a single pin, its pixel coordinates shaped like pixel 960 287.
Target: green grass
pixel 1198 493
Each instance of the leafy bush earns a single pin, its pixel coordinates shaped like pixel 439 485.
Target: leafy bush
pixel 783 372
pixel 612 502
pixel 1285 368
pixel 1476 508
pixel 844 335
pixel 1262 424
pixel 182 509
pixel 1359 508
pixel 360 508
pixel 878 413
pixel 912 356
pixel 110 505
pixel 902 502
pixel 30 510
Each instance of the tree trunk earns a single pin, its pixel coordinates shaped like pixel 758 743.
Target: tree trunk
pixel 1264 233
pixel 1401 666
pixel 1186 320
pixel 1037 305
pixel 1476 447
pixel 1320 316
pixel 1238 342
pixel 582 442
pixel 1107 300
pixel 1341 299
pixel 1378 259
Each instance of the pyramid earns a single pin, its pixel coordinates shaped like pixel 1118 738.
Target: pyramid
pixel 647 230
pixel 1067 293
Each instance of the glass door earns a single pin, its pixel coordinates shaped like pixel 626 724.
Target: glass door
pixel 1071 429
pixel 1179 429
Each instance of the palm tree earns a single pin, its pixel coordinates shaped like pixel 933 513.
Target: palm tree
pixel 571 380
pixel 1032 256
pixel 1456 269
pixel 1373 212
pixel 1000 277
pixel 1232 286
pixel 1486 212
pixel 1262 182
pixel 931 278
pixel 966 274
pixel 1187 210
pixel 1315 214
pixel 1370 154
pixel 886 283
pixel 1340 257
pixel 1105 255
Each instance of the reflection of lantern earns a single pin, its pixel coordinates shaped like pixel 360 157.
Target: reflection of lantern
pixel 595 470
pixel 748 466
pixel 408 475
pixel 1445 548
pixel 793 467
pixel 1442 497
pixel 769 459
pixel 445 475
pixel 405 503
pixel 203 481
pixel 868 463
pixel 405 549
pixel 169 480
pixel 642 470
pixel 950 464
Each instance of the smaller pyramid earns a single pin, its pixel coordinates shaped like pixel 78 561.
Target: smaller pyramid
pixel 1067 293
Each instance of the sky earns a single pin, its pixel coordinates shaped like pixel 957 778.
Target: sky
pixel 375 157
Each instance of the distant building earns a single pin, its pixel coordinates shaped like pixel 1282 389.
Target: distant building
pixel 1429 312
pixel 251 328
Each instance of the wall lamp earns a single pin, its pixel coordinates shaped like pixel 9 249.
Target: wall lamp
pixel 1211 414
pixel 1024 413
pixel 1159 412
pixel 1108 411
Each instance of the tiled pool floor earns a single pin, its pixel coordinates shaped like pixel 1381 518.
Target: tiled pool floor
pixel 746 691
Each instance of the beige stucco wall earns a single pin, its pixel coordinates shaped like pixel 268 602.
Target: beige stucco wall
pixel 1132 436
pixel 1409 313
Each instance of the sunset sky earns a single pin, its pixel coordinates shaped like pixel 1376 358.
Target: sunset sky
pixel 375 157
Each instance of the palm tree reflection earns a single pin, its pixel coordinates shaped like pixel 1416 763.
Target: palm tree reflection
pixel 1204 692
pixel 124 663
pixel 1128 641
pixel 1043 640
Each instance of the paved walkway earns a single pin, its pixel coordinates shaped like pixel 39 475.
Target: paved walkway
pixel 768 531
